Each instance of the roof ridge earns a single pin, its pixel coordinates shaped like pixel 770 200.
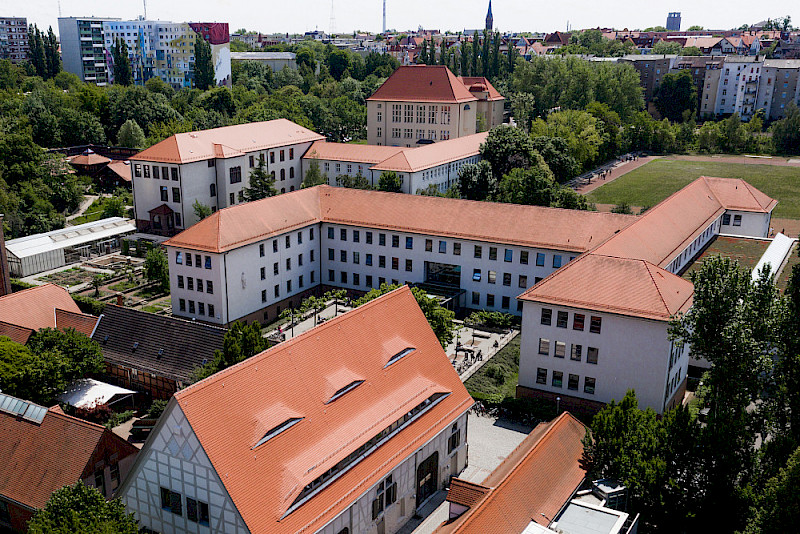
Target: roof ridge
pixel 76 420
pixel 658 289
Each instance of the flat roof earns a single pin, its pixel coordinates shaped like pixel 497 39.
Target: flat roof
pixel 71 236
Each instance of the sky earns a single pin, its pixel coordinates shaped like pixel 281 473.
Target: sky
pixel 297 16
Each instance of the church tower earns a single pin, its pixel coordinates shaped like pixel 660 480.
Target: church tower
pixel 489 18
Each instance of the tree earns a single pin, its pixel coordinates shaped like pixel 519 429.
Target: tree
pixel 29 376
pixel 523 106
pixel 51 54
pixel 131 135
pixel 787 366
pixel 37 54
pixel 476 181
pixel 473 55
pixel 695 28
pixel 667 47
pixel 581 131
pixel 535 186
pixel 353 182
pixel 786 132
pixel 113 207
pixel 676 93
pixel 204 76
pixel 80 508
pixel 313 175
pixel 242 341
pixel 156 268
pixel 391 182
pixel 506 148
pixel 262 184
pixel 338 61
pixel 201 211
pixel 464 56
pixel 777 509
pixel 556 154
pixel 123 75
pixel 82 355
pixel 691 51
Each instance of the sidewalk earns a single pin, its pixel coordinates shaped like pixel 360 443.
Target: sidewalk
pixel 620 169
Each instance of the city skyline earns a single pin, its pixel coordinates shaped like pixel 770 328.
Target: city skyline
pixel 366 15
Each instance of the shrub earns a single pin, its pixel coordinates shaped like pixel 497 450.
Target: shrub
pixel 19 285
pixel 117 418
pixel 156 409
pixel 89 305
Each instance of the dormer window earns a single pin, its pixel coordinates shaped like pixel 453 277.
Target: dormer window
pixel 403 353
pixel 349 387
pixel 283 427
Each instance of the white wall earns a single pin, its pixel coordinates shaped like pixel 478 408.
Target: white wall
pixel 752 224
pixel 216 275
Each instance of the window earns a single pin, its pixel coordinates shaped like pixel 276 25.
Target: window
pixel 386 495
pixel 182 305
pixel 369 238
pixel 509 255
pixel 476 298
pixel 476 275
pixel 547 316
pixel 343 256
pixel 288 264
pixel 356 257
pixel 100 481
pixel 575 354
pixel 563 319
pixel 368 259
pixel 252 161
pixel 369 280
pixel 174 174
pixel 211 310
pixel 493 253
pixel 523 281
pixel 737 220
pixel 591 355
pixel 201 308
pixel 395 264
pixel 382 240
pixel 291 153
pixel 330 232
pixel 541 375
pixel 382 262
pixel 343 234
pixel 457 249
pixel 478 251
pixel 137 170
pixel 505 302
pixel 197 511
pixel 164 194
pixel 491 277
pixel 577 321
pixel 544 346
pixel 442 247
pixel 283 177
pixel 455 439
pixel 539 259
pixel 299 238
pixel 558 378
pixel 283 155
pixel 313 276
pixel 191 306
pixel 179 257
pixel 180 282
pixel 235 174
pixel 556 260
pixel 561 349
pixel 595 324
pixel 489 300
pixel 147 171
pixel 190 283
pixel 572 382
pixel 409 265
pixel 343 277
pixel 232 198
pixel 311 234
pixel 274 245
pixel 523 257
pixel 331 255
pixel 429 245
pixel 395 241
pixel 188 260
pixel 356 236
pixel 507 279
pixel 276 291
pixel 171 500
pixel 588 385
pixel 197 261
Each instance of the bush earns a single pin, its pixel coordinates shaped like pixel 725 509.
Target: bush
pixel 96 413
pixel 89 305
pixel 19 285
pixel 117 418
pixel 156 409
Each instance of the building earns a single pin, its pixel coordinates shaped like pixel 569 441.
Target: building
pixel 422 104
pixel 699 66
pixel 349 427
pixel 212 167
pixel 14 39
pixel 540 488
pixel 37 253
pixel 42 450
pixel 489 18
pixel 674 22
pixel 166 49
pixel 254 260
pixel 651 68
pixel 590 343
pixel 418 167
pixel 83 50
pixel 153 354
pixel 48 306
pixel 274 60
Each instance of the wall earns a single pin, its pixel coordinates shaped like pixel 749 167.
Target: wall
pixel 379 116
pixel 753 224
pixel 216 275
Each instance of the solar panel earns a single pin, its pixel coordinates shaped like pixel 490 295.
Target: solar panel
pixel 27 410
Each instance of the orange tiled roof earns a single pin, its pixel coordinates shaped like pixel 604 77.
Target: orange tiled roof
pixel 17 334
pixel 618 285
pixel 82 322
pixel 34 308
pixel 466 493
pixel 88 159
pixel 423 83
pixel 228 141
pixel 469 81
pixel 233 409
pixel 427 156
pixel 36 460
pixel 532 484
pixel 370 154
pixel 121 169
pixel 534 226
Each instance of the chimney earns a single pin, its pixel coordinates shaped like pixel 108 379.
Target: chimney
pixel 120 299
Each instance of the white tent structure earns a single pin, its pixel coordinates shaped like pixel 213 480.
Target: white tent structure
pixel 41 252
pixel 86 392
pixel 774 256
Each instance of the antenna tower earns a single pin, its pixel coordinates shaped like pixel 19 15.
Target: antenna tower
pixel 332 23
pixel 384 16
pixel 145 9
pixel 59 8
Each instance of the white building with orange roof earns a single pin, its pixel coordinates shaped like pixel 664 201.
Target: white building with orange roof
pixel 213 168
pixel 350 427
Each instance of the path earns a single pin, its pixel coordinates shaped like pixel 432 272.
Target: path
pixel 84 205
pixel 620 169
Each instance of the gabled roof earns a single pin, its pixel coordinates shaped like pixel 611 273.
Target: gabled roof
pixel 121 169
pixel 183 345
pixel 17 334
pixel 423 83
pixel 532 484
pixel 477 81
pixel 82 322
pixel 568 230
pixel 231 411
pixel 228 141
pixel 35 308
pixel 427 156
pixel 615 285
pixel 37 459
pixel 369 154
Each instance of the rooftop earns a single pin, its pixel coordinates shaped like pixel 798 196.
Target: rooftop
pixel 369 154
pixel 427 156
pixel 423 83
pixel 262 56
pixel 35 308
pixel 69 237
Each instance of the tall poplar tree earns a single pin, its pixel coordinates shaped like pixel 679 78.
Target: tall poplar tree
pixel 123 75
pixel 474 55
pixel 464 54
pixel 485 55
pixel 203 65
pixel 52 57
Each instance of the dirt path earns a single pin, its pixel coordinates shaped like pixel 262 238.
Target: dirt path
pixel 84 205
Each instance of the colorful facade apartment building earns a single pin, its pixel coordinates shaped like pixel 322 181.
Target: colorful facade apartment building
pixel 350 427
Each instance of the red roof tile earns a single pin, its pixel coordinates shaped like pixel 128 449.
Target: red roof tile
pixel 231 411
pixel 427 156
pixel 370 154
pixel 568 230
pixel 17 334
pixel 470 81
pixel 36 460
pixel 82 322
pixel 121 169
pixel 34 308
pixel 466 493
pixel 532 484
pixel 423 83
pixel 228 141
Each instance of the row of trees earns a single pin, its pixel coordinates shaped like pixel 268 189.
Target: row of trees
pixel 739 470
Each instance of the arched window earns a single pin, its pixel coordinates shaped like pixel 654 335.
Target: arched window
pixel 291 172
pixel 466 107
pixel 291 188
pixel 283 189
pixel 283 174
pixel 213 190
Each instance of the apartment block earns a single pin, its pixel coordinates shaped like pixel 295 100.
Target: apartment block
pixel 14 39
pixel 83 50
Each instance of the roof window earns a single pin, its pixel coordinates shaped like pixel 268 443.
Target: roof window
pixel 352 385
pixel 403 353
pixel 286 425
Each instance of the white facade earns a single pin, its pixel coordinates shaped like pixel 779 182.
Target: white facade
pixel 392 123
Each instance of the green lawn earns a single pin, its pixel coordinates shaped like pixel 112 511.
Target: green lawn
pixel 651 183
pixel 746 251
pixel 92 213
pixel 497 379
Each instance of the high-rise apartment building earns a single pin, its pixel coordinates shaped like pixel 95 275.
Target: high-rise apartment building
pixel 82 51
pixel 14 38
pixel 674 22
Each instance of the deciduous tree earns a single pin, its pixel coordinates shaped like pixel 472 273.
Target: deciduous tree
pixel 79 508
pixel 262 183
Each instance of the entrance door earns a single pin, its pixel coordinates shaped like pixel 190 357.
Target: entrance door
pixel 427 478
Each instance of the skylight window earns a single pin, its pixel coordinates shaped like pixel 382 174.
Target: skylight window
pixel 286 425
pixel 400 355
pixel 352 385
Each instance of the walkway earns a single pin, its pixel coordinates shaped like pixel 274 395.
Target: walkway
pixel 619 169
pixel 84 205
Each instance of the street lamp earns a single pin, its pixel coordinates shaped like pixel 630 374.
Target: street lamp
pixel 558 405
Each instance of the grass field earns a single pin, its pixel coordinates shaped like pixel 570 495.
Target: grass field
pixel 651 183
pixel 497 379
pixel 746 251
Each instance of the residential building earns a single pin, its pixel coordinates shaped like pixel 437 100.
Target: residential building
pixel 674 22
pixel 349 427
pixel 540 488
pixel 154 354
pixel 430 102
pixel 83 50
pixel 651 68
pixel 490 101
pixel 213 167
pixel 265 256
pixel 699 66
pixel 42 450
pixel 779 85
pixel 590 343
pixel 274 60
pixel 166 49
pixel 417 167
pixel 14 39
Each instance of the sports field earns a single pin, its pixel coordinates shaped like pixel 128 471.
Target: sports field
pixel 651 183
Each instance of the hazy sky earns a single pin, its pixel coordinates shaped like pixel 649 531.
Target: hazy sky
pixel 296 16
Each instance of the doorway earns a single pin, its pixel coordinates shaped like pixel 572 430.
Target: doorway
pixel 427 478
